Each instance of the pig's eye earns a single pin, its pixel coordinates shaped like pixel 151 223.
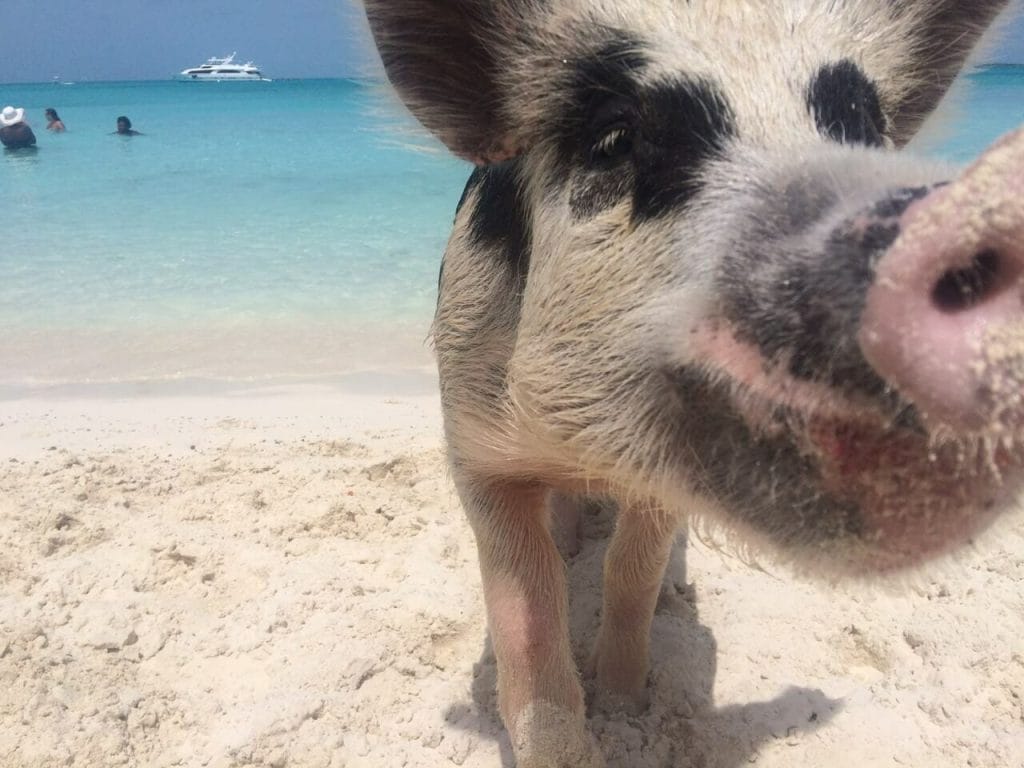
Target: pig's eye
pixel 613 143
pixel 611 131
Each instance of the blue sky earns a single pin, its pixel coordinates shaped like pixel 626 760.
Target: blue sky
pixel 153 39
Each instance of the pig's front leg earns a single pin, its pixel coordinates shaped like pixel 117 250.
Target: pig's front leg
pixel 539 693
pixel 633 569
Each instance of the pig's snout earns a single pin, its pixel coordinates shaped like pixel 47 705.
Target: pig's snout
pixel 943 321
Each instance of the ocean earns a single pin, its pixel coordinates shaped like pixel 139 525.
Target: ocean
pixel 255 232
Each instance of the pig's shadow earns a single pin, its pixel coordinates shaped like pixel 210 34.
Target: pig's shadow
pixel 682 728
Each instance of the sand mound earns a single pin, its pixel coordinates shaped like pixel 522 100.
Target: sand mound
pixel 287 580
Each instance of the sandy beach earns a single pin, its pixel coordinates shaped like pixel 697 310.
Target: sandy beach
pixel 282 576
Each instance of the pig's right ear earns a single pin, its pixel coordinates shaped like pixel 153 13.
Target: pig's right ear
pixel 442 58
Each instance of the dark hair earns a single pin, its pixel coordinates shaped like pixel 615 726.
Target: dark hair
pixel 125 120
pixel 52 111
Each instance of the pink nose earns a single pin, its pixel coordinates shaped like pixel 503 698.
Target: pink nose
pixel 944 320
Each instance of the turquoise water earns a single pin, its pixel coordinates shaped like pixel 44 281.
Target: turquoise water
pixel 990 104
pixel 254 230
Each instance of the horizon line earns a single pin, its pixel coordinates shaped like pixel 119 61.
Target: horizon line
pixel 175 79
pixel 59 80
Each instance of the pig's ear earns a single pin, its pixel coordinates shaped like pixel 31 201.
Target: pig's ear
pixel 943 34
pixel 442 57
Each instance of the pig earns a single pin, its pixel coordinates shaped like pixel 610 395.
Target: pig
pixel 692 273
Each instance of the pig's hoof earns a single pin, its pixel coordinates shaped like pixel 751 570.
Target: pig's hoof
pixel 548 736
pixel 619 685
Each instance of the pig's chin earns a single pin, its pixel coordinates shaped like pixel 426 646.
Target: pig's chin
pixel 917 497
pixel 871 494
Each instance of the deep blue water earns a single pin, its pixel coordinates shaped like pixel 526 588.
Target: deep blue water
pixel 254 229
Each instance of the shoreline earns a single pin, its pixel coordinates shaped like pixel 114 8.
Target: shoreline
pixel 405 381
pixel 349 354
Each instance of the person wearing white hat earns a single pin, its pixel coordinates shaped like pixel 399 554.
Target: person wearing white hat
pixel 15 133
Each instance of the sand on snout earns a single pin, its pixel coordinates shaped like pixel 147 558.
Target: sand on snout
pixel 284 577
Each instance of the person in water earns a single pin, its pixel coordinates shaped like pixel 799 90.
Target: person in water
pixel 15 133
pixel 53 121
pixel 124 127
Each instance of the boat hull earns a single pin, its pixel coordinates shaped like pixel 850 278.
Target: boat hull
pixel 217 77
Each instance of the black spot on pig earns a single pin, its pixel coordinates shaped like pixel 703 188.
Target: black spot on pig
pixel 617 136
pixel 471 183
pixel 682 126
pixel 601 101
pixel 500 218
pixel 846 106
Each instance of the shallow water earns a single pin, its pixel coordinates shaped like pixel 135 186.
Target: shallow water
pixel 254 230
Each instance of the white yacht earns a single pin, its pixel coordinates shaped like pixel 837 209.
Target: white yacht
pixel 224 68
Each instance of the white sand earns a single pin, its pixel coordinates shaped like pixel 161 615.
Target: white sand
pixel 284 578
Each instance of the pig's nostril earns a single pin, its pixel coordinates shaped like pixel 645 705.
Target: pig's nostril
pixel 960 289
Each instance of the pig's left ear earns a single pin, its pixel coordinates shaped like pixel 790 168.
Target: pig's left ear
pixel 942 35
pixel 442 57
